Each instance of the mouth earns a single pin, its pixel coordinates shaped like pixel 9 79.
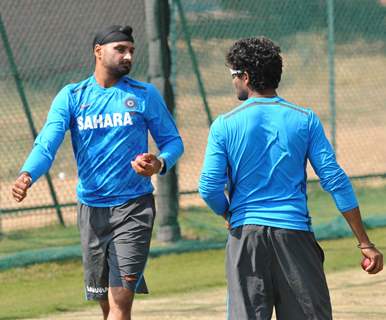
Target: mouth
pixel 126 64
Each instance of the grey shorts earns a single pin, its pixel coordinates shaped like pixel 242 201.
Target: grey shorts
pixel 275 268
pixel 115 243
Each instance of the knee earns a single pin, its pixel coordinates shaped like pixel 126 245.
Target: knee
pixel 120 299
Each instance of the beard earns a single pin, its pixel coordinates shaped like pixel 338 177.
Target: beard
pixel 119 70
pixel 242 95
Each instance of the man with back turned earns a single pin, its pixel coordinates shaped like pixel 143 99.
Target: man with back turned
pixel 259 152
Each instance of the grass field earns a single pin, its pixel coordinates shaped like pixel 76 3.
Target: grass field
pixel 60 284
pixel 57 287
pixel 349 291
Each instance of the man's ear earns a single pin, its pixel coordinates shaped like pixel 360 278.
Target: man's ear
pixel 246 77
pixel 98 51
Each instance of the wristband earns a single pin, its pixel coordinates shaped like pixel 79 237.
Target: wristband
pixel 368 246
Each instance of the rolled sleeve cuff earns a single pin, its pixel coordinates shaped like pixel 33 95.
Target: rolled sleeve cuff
pixel 345 200
pixel 168 163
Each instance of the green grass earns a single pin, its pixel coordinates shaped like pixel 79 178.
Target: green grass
pixel 57 287
pixel 40 289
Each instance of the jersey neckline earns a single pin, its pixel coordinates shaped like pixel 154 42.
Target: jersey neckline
pixel 115 86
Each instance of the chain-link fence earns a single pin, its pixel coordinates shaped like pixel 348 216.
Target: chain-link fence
pixel 301 29
pixel 336 68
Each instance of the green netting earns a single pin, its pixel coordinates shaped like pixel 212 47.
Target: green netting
pixel 51 45
pixel 338 228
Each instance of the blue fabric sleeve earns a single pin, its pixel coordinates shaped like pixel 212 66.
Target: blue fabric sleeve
pixel 332 177
pixel 50 137
pixel 163 129
pixel 213 177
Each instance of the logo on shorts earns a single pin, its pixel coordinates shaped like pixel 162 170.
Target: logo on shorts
pixel 130 103
pixel 97 290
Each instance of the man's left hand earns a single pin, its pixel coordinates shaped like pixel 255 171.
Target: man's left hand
pixel 146 164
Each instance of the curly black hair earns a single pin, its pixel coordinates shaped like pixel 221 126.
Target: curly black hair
pixel 260 58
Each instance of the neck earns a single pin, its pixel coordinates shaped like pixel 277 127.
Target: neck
pixel 266 93
pixel 103 78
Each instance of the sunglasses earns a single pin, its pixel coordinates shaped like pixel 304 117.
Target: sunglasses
pixel 236 73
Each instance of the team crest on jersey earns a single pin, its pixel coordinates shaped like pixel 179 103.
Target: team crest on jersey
pixel 130 103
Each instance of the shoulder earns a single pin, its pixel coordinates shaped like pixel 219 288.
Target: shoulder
pixel 300 113
pixel 79 87
pixel 218 125
pixel 141 88
pixel 233 112
pixel 138 85
pixel 72 93
pixel 310 117
pixel 292 107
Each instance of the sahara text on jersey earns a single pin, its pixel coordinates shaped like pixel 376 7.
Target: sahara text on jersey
pixel 104 121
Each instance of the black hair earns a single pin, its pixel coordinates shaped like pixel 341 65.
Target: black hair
pixel 260 58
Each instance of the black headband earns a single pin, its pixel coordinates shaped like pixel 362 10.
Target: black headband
pixel 114 34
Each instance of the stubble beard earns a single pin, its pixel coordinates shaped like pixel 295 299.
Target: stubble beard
pixel 118 70
pixel 121 71
pixel 242 95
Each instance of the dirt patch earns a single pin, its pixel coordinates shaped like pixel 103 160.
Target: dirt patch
pixel 355 295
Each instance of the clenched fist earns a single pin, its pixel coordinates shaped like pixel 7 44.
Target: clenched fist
pixel 20 187
pixel 147 164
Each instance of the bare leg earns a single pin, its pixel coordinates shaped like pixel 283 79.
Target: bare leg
pixel 105 308
pixel 120 302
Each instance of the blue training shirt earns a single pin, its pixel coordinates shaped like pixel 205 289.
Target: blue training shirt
pixel 109 128
pixel 259 152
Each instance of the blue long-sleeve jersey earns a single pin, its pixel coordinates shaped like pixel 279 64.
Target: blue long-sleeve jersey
pixel 259 153
pixel 109 128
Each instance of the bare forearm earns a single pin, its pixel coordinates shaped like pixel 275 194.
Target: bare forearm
pixel 354 219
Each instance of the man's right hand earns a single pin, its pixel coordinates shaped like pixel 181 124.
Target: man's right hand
pixel 20 187
pixel 376 258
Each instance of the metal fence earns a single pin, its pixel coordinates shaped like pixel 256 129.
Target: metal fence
pixel 334 62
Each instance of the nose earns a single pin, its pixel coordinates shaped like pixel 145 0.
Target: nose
pixel 128 56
